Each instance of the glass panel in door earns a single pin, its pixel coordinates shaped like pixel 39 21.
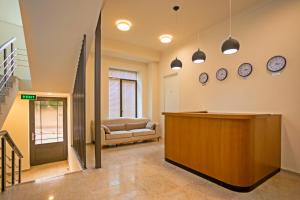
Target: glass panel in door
pixel 48 122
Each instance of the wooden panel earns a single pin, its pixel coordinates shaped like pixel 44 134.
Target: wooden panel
pixel 267 145
pixel 235 149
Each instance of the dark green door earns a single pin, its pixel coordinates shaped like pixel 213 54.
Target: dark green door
pixel 48 130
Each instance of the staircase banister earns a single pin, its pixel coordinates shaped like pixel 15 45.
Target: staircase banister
pixel 10 141
pixel 6 44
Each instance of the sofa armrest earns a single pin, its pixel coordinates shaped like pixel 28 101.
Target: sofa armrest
pixel 102 135
pixel 157 128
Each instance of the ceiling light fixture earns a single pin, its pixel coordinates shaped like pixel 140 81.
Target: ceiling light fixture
pixel 176 64
pixel 199 56
pixel 231 45
pixel 166 38
pixel 123 25
pixel 51 197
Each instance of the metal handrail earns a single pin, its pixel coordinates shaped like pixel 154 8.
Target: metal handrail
pixel 9 67
pixel 10 177
pixel 9 140
pixel 9 57
pixel 7 78
pixel 6 44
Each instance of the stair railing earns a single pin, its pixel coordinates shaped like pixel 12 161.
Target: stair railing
pixel 10 165
pixel 8 64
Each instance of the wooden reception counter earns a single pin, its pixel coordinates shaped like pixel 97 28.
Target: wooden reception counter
pixel 236 151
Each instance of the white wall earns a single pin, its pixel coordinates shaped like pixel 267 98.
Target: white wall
pixel 153 91
pixel 9 30
pixel 270 30
pixel 17 124
pixel 10 12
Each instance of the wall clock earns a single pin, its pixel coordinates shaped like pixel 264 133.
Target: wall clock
pixel 245 69
pixel 203 78
pixel 222 74
pixel 276 64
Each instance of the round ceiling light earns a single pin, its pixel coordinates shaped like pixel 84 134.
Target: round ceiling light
pixel 166 38
pixel 123 25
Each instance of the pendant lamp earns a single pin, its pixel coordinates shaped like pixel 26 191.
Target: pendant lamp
pixel 176 64
pixel 199 57
pixel 231 45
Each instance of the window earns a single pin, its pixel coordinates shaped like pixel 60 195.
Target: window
pixel 122 93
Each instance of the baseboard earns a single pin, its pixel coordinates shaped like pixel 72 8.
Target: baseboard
pixel 223 184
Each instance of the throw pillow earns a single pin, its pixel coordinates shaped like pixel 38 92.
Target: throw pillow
pixel 106 129
pixel 150 125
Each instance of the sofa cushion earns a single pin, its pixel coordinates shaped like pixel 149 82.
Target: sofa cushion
pixel 116 127
pixel 150 125
pixel 118 135
pixel 137 125
pixel 142 132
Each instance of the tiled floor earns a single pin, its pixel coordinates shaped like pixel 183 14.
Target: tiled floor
pixel 140 172
pixel 45 171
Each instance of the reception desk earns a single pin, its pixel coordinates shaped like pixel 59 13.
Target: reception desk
pixel 236 151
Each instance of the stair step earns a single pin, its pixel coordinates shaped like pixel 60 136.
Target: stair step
pixel 3 93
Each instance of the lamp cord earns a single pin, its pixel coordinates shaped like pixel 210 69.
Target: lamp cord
pixel 230 12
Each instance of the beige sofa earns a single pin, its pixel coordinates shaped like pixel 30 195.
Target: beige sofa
pixel 126 130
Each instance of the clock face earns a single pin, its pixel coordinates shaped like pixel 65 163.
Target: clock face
pixel 222 74
pixel 276 64
pixel 245 69
pixel 203 78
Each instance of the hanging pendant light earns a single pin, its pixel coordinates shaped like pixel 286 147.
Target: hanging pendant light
pixel 199 57
pixel 231 45
pixel 176 64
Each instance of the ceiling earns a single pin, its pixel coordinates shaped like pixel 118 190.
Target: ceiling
pixel 54 32
pixel 151 18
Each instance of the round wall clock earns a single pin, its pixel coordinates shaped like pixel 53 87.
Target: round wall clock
pixel 222 74
pixel 203 78
pixel 276 64
pixel 245 69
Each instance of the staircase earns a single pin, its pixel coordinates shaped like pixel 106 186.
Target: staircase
pixel 10 162
pixel 10 156
pixel 8 83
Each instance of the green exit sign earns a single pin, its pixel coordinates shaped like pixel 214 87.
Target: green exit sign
pixel 28 96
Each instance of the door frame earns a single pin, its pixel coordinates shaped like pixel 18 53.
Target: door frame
pixel 32 125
